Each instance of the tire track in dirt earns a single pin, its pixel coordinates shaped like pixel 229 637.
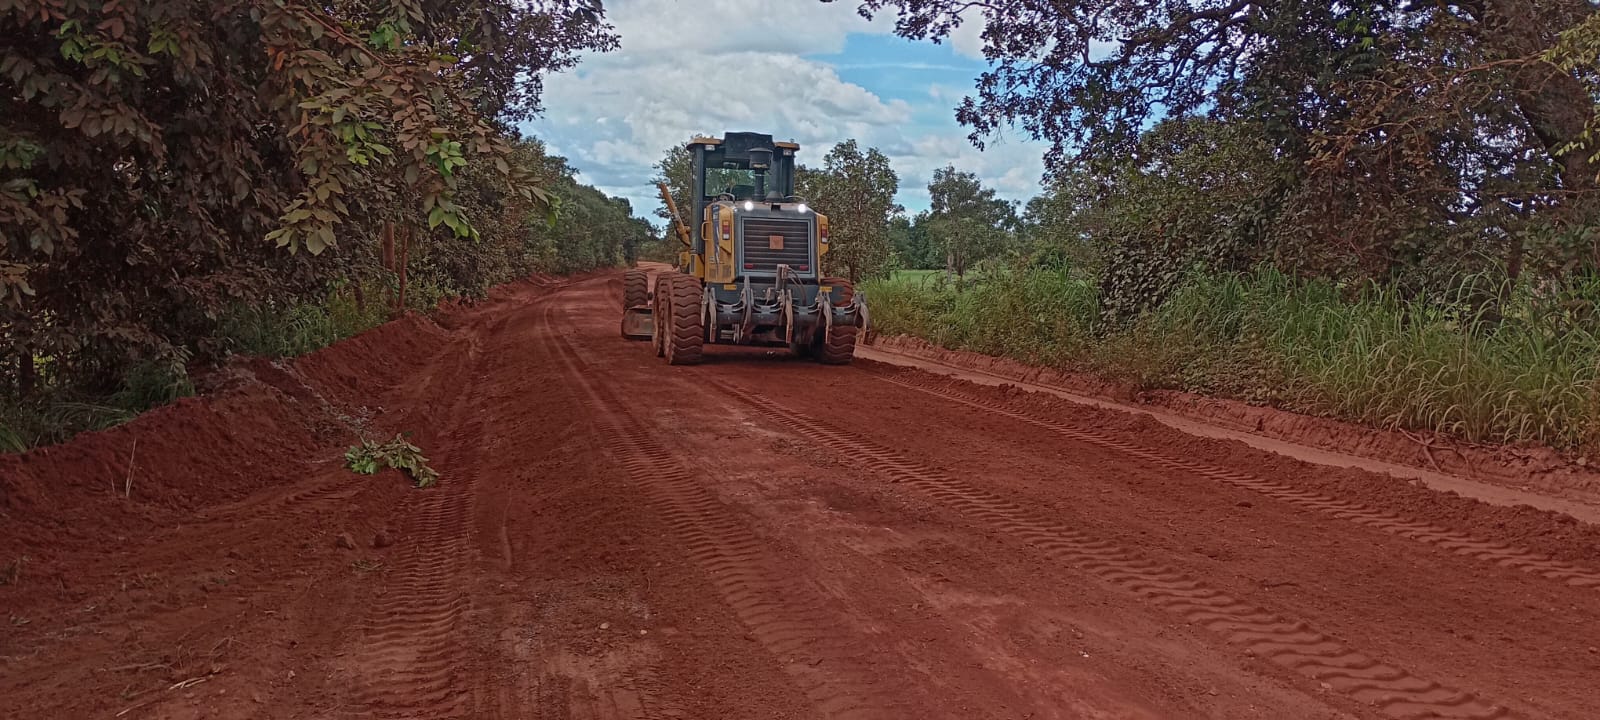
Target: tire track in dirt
pixel 783 616
pixel 1286 642
pixel 409 654
pixel 552 681
pixel 1453 541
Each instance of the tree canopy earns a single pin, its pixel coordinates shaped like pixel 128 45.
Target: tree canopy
pixel 163 160
pixel 1394 141
pixel 967 222
pixel 855 189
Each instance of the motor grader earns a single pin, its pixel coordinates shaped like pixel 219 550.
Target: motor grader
pixel 750 266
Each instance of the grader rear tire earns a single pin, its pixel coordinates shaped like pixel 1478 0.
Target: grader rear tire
pixel 635 288
pixel 658 308
pixel 838 343
pixel 686 325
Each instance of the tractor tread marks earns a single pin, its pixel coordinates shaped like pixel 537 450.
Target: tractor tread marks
pixel 1283 641
pixel 1451 541
pixel 826 662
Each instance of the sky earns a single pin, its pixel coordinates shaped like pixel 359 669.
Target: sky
pixel 812 72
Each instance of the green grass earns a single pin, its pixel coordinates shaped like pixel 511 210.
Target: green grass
pixel 917 276
pixel 56 414
pixel 297 330
pixel 1364 354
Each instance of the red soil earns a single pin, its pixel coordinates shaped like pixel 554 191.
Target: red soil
pixel 756 537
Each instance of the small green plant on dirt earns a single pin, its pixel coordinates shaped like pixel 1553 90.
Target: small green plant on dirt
pixel 366 565
pixel 369 457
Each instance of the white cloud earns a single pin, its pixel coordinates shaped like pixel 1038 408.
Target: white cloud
pixel 712 66
pixel 967 38
pixel 795 27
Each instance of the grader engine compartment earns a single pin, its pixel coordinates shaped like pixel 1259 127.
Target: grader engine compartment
pixel 750 263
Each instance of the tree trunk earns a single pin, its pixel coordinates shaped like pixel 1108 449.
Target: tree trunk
pixel 1514 252
pixel 405 263
pixel 1556 105
pixel 27 376
pixel 386 256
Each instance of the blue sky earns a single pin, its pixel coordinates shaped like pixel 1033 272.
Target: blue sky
pixel 812 72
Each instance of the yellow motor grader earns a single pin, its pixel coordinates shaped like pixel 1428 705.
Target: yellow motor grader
pixel 750 268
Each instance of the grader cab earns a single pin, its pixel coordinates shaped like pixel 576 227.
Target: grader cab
pixel 750 266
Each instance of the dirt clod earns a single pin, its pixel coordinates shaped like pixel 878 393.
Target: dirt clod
pixel 381 539
pixel 344 542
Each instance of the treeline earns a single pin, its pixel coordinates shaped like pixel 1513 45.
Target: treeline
pixel 1385 211
pixel 1408 144
pixel 179 181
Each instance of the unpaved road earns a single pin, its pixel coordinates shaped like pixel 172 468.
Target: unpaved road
pixel 757 537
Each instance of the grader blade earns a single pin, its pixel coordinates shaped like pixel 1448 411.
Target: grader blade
pixel 638 323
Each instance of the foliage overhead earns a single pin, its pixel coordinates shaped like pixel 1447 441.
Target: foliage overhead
pixel 1089 75
pixel 163 161
pixel 1416 130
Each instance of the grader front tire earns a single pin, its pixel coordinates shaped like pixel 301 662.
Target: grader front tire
pixel 838 343
pixel 685 324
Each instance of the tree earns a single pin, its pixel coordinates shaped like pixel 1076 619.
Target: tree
pixel 150 146
pixel 1091 73
pixel 676 169
pixel 965 219
pixel 1457 113
pixel 1063 228
pixel 855 189
pixel 911 244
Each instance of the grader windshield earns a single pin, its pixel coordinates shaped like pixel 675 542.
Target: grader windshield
pixel 746 166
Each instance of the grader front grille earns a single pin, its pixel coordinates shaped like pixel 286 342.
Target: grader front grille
pixel 770 242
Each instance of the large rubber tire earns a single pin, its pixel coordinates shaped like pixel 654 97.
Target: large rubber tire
pixel 838 343
pixel 658 308
pixel 844 284
pixel 685 342
pixel 635 288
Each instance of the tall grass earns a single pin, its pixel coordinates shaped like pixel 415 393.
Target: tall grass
pixel 299 329
pixel 1530 373
pixel 56 414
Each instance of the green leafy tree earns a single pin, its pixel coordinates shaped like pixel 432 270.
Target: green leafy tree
pixel 676 169
pixel 158 156
pixel 855 189
pixel 1413 132
pixel 1088 74
pixel 965 219
pixel 913 247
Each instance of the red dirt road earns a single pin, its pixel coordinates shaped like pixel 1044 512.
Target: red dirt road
pixel 757 537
